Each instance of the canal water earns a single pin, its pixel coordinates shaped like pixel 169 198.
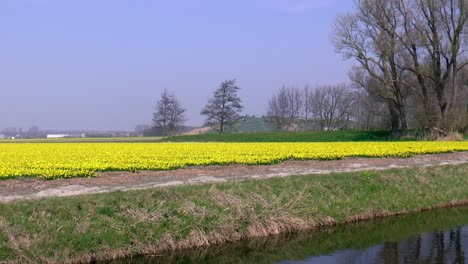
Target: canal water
pixel 439 236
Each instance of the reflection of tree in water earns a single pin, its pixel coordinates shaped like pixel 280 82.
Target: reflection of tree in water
pixel 459 245
pixel 439 247
pixel 390 253
pixel 449 247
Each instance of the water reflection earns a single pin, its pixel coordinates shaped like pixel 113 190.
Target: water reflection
pixel 438 247
pixel 431 237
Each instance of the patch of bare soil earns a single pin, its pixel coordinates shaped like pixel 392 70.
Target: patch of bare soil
pixel 33 188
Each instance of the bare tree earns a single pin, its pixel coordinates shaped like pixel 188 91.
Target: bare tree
pixel 413 48
pixel 296 103
pixel 369 36
pixel 431 33
pixel 278 108
pixel 318 102
pixel 224 107
pixel 307 102
pixel 286 106
pixel 371 111
pixel 169 114
pixel 333 106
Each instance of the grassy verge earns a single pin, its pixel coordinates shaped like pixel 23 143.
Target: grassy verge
pixel 114 225
pixel 6 252
pixel 314 136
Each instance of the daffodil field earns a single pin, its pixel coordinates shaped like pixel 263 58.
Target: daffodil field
pixel 65 160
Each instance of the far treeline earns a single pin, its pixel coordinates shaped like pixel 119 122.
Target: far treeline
pixel 410 74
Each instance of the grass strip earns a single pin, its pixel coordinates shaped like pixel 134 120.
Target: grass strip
pixel 6 252
pixel 308 136
pixel 107 226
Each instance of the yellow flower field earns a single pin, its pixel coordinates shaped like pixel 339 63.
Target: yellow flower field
pixel 64 160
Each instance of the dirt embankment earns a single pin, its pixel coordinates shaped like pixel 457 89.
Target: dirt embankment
pixel 32 188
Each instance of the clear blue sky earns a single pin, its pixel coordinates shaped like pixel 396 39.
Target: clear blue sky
pixel 102 64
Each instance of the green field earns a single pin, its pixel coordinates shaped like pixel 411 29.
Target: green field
pixel 253 125
pixel 313 136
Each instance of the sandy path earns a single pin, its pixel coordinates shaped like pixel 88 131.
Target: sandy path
pixel 32 188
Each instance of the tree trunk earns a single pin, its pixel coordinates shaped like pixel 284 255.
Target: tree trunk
pixel 442 102
pixel 221 126
pixel 398 93
pixel 394 117
pixel 403 122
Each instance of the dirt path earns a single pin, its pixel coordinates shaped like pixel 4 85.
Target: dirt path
pixel 32 188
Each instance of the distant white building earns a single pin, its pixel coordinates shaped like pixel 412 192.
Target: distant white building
pixel 82 135
pixel 57 135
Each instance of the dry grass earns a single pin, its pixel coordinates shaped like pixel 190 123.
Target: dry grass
pixel 452 136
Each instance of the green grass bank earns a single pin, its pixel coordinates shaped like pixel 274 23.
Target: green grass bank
pixel 107 226
pixel 309 136
pixel 301 246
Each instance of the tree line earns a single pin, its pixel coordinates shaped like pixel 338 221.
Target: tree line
pixel 410 73
pixel 324 107
pixel 327 107
pixel 410 54
pixel 332 106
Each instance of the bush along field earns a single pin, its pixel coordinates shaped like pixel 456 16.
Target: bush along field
pixel 65 160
